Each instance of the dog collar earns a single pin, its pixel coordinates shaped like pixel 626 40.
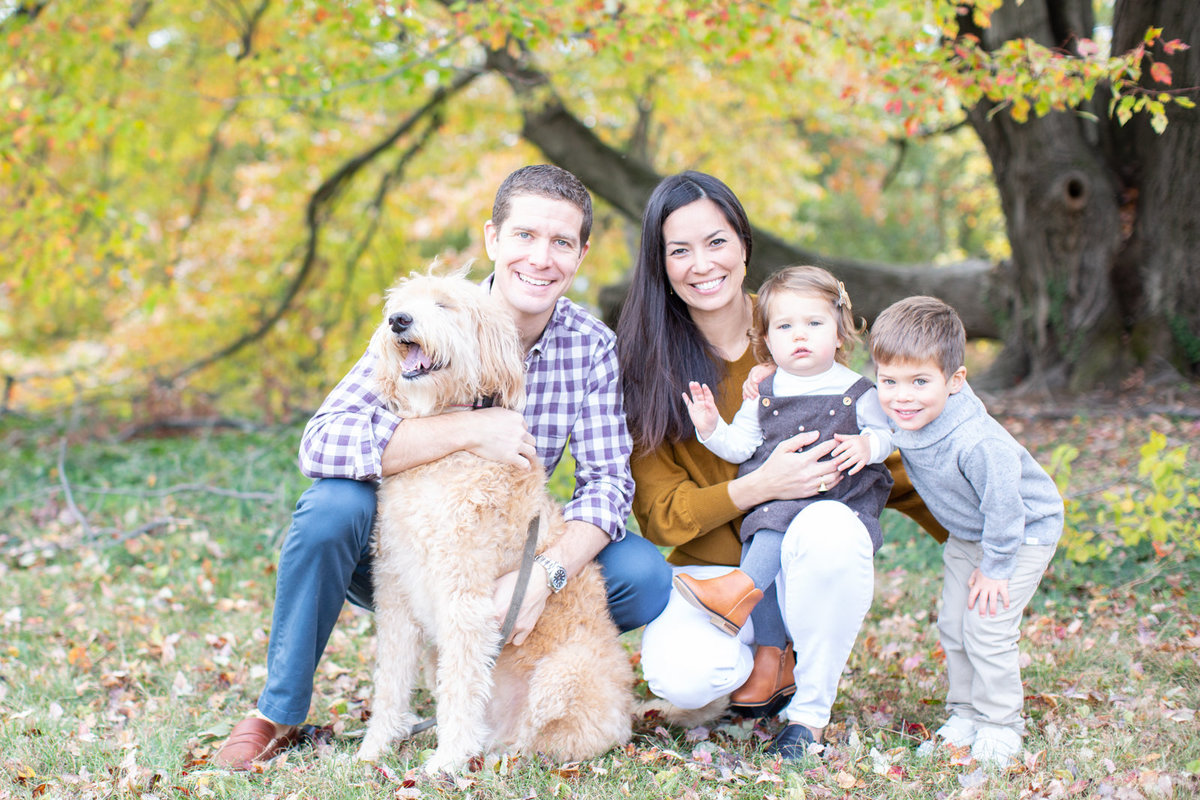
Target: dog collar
pixel 482 402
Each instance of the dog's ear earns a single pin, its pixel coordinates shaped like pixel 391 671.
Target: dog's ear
pixel 502 361
pixel 439 269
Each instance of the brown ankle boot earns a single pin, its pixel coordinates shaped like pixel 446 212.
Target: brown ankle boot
pixel 771 684
pixel 728 599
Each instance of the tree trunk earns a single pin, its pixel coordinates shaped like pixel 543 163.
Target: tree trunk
pixel 1157 274
pixel 1100 219
pixel 626 183
pixel 1104 221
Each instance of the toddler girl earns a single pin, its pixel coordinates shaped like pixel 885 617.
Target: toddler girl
pixel 804 326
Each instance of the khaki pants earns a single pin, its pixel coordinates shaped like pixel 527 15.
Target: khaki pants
pixel 981 651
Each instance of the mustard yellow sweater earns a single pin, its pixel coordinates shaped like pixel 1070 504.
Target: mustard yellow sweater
pixel 682 495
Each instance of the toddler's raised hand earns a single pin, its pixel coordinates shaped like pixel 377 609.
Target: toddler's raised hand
pixel 852 453
pixel 702 408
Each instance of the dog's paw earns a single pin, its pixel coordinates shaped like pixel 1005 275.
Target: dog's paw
pixel 368 753
pixel 374 743
pixel 443 762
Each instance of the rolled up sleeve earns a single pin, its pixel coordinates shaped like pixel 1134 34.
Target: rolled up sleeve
pixel 601 446
pixel 347 435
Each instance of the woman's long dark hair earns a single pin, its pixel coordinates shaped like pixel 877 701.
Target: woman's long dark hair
pixel 658 344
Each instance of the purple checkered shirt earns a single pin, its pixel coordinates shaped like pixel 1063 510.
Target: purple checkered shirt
pixel 572 390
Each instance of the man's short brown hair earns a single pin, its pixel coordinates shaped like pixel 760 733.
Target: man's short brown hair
pixel 544 180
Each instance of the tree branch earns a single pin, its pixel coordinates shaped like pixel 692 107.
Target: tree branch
pixel 204 180
pixel 251 26
pixel 317 211
pixel 625 182
pixel 901 143
pixel 25 13
pixel 374 211
pixel 66 487
pixel 184 487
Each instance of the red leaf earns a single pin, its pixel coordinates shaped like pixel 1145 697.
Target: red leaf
pixel 1160 72
pixel 1174 46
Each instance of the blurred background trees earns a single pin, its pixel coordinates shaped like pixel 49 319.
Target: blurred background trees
pixel 202 203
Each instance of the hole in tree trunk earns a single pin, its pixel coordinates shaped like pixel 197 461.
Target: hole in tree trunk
pixel 1075 191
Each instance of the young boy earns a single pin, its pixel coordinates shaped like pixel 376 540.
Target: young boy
pixel 1003 511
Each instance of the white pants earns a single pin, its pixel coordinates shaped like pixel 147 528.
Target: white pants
pixel 826 582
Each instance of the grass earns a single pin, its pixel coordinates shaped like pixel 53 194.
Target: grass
pixel 130 645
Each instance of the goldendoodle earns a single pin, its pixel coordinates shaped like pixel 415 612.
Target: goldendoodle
pixel 446 530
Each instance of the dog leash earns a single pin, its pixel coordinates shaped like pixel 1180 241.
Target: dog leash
pixel 514 605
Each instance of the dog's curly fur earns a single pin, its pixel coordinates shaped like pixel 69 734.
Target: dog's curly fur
pixel 446 530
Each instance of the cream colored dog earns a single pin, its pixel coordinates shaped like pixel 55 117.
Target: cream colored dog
pixel 446 530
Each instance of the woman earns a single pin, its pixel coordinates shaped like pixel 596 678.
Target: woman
pixel 687 318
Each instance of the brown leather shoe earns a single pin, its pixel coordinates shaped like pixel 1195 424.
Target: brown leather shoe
pixel 253 739
pixel 771 684
pixel 728 600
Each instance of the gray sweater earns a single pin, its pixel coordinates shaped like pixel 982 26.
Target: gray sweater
pixel 981 483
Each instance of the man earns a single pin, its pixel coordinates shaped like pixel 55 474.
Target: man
pixel 537 238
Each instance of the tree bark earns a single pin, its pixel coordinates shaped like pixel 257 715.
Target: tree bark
pixel 1157 274
pixel 1100 219
pixel 1061 209
pixel 1104 221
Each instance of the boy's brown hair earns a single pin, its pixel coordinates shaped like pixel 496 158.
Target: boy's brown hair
pixel 918 329
pixel 810 281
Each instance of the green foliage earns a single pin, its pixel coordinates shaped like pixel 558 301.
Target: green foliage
pixel 161 161
pixel 1189 343
pixel 126 657
pixel 125 661
pixel 1160 508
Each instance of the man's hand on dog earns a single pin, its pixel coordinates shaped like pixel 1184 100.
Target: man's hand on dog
pixel 500 435
pixel 536 593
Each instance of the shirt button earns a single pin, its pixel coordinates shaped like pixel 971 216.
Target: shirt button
pixel 801 427
pixel 832 411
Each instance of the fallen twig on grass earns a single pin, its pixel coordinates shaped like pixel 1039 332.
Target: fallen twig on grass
pixel 181 487
pixel 66 487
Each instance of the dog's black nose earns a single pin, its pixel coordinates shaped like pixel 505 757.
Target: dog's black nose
pixel 400 322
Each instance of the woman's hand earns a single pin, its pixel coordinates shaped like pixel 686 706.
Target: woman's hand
pixel 758 373
pixel 789 473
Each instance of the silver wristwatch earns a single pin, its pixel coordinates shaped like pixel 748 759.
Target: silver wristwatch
pixel 556 573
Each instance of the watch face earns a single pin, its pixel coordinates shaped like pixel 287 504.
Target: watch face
pixel 556 574
pixel 558 579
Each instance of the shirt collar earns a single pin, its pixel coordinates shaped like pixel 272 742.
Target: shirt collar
pixel 556 318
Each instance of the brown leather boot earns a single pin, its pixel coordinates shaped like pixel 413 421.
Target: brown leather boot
pixel 728 600
pixel 771 684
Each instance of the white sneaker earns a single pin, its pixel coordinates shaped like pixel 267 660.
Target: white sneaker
pixel 996 746
pixel 958 731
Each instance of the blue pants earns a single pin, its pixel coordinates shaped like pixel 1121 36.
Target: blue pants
pixel 326 560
